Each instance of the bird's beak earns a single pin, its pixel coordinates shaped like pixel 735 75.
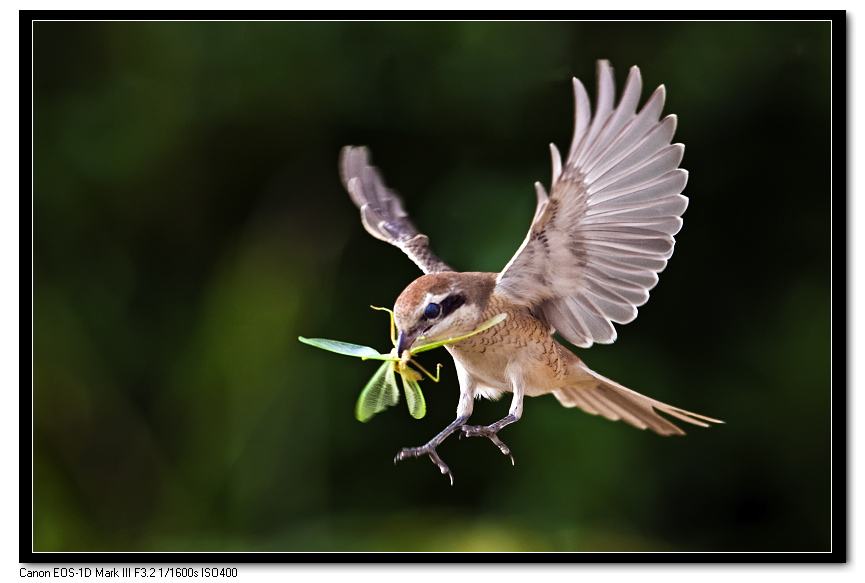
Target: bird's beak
pixel 405 340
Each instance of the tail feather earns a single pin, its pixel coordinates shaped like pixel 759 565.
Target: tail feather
pixel 599 395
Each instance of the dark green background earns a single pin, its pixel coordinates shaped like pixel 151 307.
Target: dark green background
pixel 190 224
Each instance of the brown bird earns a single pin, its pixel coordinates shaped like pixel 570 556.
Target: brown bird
pixel 592 254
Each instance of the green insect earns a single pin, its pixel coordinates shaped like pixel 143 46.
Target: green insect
pixel 381 391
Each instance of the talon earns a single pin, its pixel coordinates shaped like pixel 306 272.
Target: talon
pixel 489 431
pixel 425 450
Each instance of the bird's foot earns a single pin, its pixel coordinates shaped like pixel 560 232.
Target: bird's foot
pixel 429 450
pixel 489 431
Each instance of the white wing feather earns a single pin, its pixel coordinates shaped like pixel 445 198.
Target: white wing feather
pixel 381 209
pixel 597 243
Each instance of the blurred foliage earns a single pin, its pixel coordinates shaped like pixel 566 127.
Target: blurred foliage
pixel 190 224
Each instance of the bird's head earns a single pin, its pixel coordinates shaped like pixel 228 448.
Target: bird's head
pixel 442 305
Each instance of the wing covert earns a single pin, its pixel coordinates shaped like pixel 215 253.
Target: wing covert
pixel 381 209
pixel 597 243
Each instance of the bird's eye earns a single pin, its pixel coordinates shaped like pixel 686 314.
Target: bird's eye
pixel 432 311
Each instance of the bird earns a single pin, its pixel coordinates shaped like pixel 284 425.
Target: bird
pixel 593 251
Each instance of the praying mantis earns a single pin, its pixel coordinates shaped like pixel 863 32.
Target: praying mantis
pixel 381 391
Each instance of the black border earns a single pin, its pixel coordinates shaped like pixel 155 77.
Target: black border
pixel 841 415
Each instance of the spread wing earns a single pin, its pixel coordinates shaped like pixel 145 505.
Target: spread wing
pixel 598 241
pixel 381 209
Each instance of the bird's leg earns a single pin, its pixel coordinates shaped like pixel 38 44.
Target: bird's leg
pixel 430 447
pixel 491 431
pixel 464 411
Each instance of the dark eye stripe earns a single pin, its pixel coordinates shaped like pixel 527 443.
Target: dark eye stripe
pixel 447 306
pixel 451 303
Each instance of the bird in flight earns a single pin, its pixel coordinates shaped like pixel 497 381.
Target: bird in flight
pixel 592 253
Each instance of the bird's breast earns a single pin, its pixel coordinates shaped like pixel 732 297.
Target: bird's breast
pixel 520 345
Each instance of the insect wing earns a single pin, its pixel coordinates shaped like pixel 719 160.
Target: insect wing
pixel 413 395
pixel 488 324
pixel 379 393
pixel 342 347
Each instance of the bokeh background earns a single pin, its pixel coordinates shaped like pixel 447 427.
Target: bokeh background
pixel 189 224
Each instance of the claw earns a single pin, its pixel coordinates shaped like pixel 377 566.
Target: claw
pixel 429 450
pixel 489 431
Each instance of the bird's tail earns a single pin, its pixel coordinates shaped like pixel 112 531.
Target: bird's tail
pixel 599 395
